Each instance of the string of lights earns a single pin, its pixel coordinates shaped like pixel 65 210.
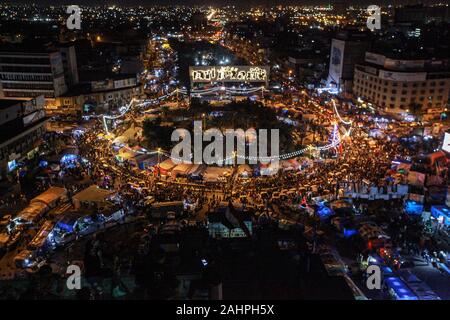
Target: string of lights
pixel 334 143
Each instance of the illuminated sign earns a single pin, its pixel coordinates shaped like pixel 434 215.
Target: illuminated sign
pixel 375 58
pixel 12 165
pixel 403 76
pixel 229 74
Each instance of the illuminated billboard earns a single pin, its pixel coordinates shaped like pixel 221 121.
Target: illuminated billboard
pixel 336 62
pixel 446 144
pixel 204 74
pixel 403 76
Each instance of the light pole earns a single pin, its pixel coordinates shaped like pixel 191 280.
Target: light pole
pixel 159 156
pixel 159 161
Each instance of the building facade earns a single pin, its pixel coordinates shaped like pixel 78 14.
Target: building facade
pixel 418 88
pixel 22 124
pixel 97 95
pixel 27 74
pixel 69 60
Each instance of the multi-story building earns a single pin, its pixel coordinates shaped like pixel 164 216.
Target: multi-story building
pixel 27 72
pixel 22 124
pixel 102 93
pixel 69 60
pixel 404 87
pixel 347 49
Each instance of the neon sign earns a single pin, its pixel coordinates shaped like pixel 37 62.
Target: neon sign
pixel 229 74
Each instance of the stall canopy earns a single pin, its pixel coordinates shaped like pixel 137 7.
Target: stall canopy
pixel 92 194
pixel 413 207
pixel 181 169
pixel 144 161
pixel 197 171
pixel 290 164
pixel 133 133
pixel 125 154
pixel 120 140
pixel 212 174
pixel 323 211
pixel 416 178
pixel 33 212
pixel 244 170
pixel 268 169
pixel 41 236
pixel 166 165
pixel 50 196
pixel 193 168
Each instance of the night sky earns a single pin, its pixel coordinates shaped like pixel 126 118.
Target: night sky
pixel 217 2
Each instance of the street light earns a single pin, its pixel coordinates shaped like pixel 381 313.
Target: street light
pixel 159 159
pixel 290 73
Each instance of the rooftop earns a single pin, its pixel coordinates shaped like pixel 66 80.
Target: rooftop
pixel 6 103
pixel 10 134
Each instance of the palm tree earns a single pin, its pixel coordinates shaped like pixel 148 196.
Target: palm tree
pixel 164 111
pixel 416 109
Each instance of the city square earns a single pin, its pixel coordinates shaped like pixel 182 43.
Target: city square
pixel 224 153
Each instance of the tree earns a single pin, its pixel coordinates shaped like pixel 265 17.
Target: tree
pixel 164 111
pixel 416 109
pixel 157 135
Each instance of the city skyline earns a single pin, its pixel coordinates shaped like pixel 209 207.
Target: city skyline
pixel 245 155
pixel 226 2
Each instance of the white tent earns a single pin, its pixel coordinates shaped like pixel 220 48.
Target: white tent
pixel 91 194
pixel 244 170
pixel 120 140
pixel 50 196
pixel 212 174
pixel 133 133
pixel 166 166
pixel 181 169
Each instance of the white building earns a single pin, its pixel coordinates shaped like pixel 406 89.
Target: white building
pixel 401 87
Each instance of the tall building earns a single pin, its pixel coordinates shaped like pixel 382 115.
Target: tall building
pixel 27 72
pixel 22 124
pixel 69 60
pixel 418 88
pixel 347 49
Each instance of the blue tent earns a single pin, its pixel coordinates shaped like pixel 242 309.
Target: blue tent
pixel 413 207
pixel 323 211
